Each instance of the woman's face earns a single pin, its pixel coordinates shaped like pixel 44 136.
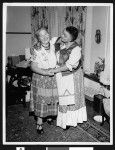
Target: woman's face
pixel 66 36
pixel 44 36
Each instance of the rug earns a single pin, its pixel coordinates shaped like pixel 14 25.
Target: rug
pixel 21 127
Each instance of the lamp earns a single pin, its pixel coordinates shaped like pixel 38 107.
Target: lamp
pixel 27 54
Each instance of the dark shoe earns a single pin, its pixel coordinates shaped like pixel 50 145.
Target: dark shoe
pixel 67 127
pixel 40 129
pixel 50 122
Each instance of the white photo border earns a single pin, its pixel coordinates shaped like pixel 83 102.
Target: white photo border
pixel 4 18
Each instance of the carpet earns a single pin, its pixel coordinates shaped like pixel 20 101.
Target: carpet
pixel 21 127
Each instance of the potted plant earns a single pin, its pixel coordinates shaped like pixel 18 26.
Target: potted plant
pixel 99 66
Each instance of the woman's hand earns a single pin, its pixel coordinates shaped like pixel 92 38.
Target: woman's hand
pixel 36 69
pixel 49 73
pixel 52 71
pixel 59 69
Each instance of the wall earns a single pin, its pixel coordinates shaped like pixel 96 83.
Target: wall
pixel 96 19
pixel 18 20
pixel 88 37
pixel 99 21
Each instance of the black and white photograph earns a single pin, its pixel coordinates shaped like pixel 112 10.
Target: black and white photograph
pixel 58 74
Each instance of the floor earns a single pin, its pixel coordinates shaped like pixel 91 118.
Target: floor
pixel 89 104
pixel 92 113
pixel 21 127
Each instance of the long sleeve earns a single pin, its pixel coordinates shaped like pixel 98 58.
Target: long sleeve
pixel 74 58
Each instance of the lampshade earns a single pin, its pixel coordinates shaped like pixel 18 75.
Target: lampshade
pixel 27 54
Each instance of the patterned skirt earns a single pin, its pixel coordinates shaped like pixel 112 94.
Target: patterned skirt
pixel 44 96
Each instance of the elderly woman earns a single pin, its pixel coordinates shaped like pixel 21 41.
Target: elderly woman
pixel 44 94
pixel 72 107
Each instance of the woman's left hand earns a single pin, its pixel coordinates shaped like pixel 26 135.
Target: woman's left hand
pixel 52 71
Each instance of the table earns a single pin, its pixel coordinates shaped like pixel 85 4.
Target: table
pixel 97 98
pixel 91 85
pixel 92 77
pixel 22 74
pixel 18 72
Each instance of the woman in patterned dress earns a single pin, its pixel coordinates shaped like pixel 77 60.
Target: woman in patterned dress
pixel 72 107
pixel 44 94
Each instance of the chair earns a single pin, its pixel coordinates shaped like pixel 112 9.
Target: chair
pixel 18 85
pixel 106 105
pixel 22 57
pixel 19 82
pixel 13 60
pixel 14 95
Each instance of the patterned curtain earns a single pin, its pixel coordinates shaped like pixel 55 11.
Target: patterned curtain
pixel 38 19
pixel 56 18
pixel 76 16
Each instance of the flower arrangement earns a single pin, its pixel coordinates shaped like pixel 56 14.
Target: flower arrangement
pixel 99 66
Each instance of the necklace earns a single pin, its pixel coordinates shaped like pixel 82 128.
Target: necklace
pixel 47 47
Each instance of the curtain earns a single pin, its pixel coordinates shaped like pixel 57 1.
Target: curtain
pixel 39 18
pixel 76 16
pixel 53 21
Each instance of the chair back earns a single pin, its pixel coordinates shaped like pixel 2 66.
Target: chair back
pixel 13 60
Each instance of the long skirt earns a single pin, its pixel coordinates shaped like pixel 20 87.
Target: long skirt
pixel 72 107
pixel 44 96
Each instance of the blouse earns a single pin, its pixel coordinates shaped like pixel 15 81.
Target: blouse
pixel 44 59
pixel 74 58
